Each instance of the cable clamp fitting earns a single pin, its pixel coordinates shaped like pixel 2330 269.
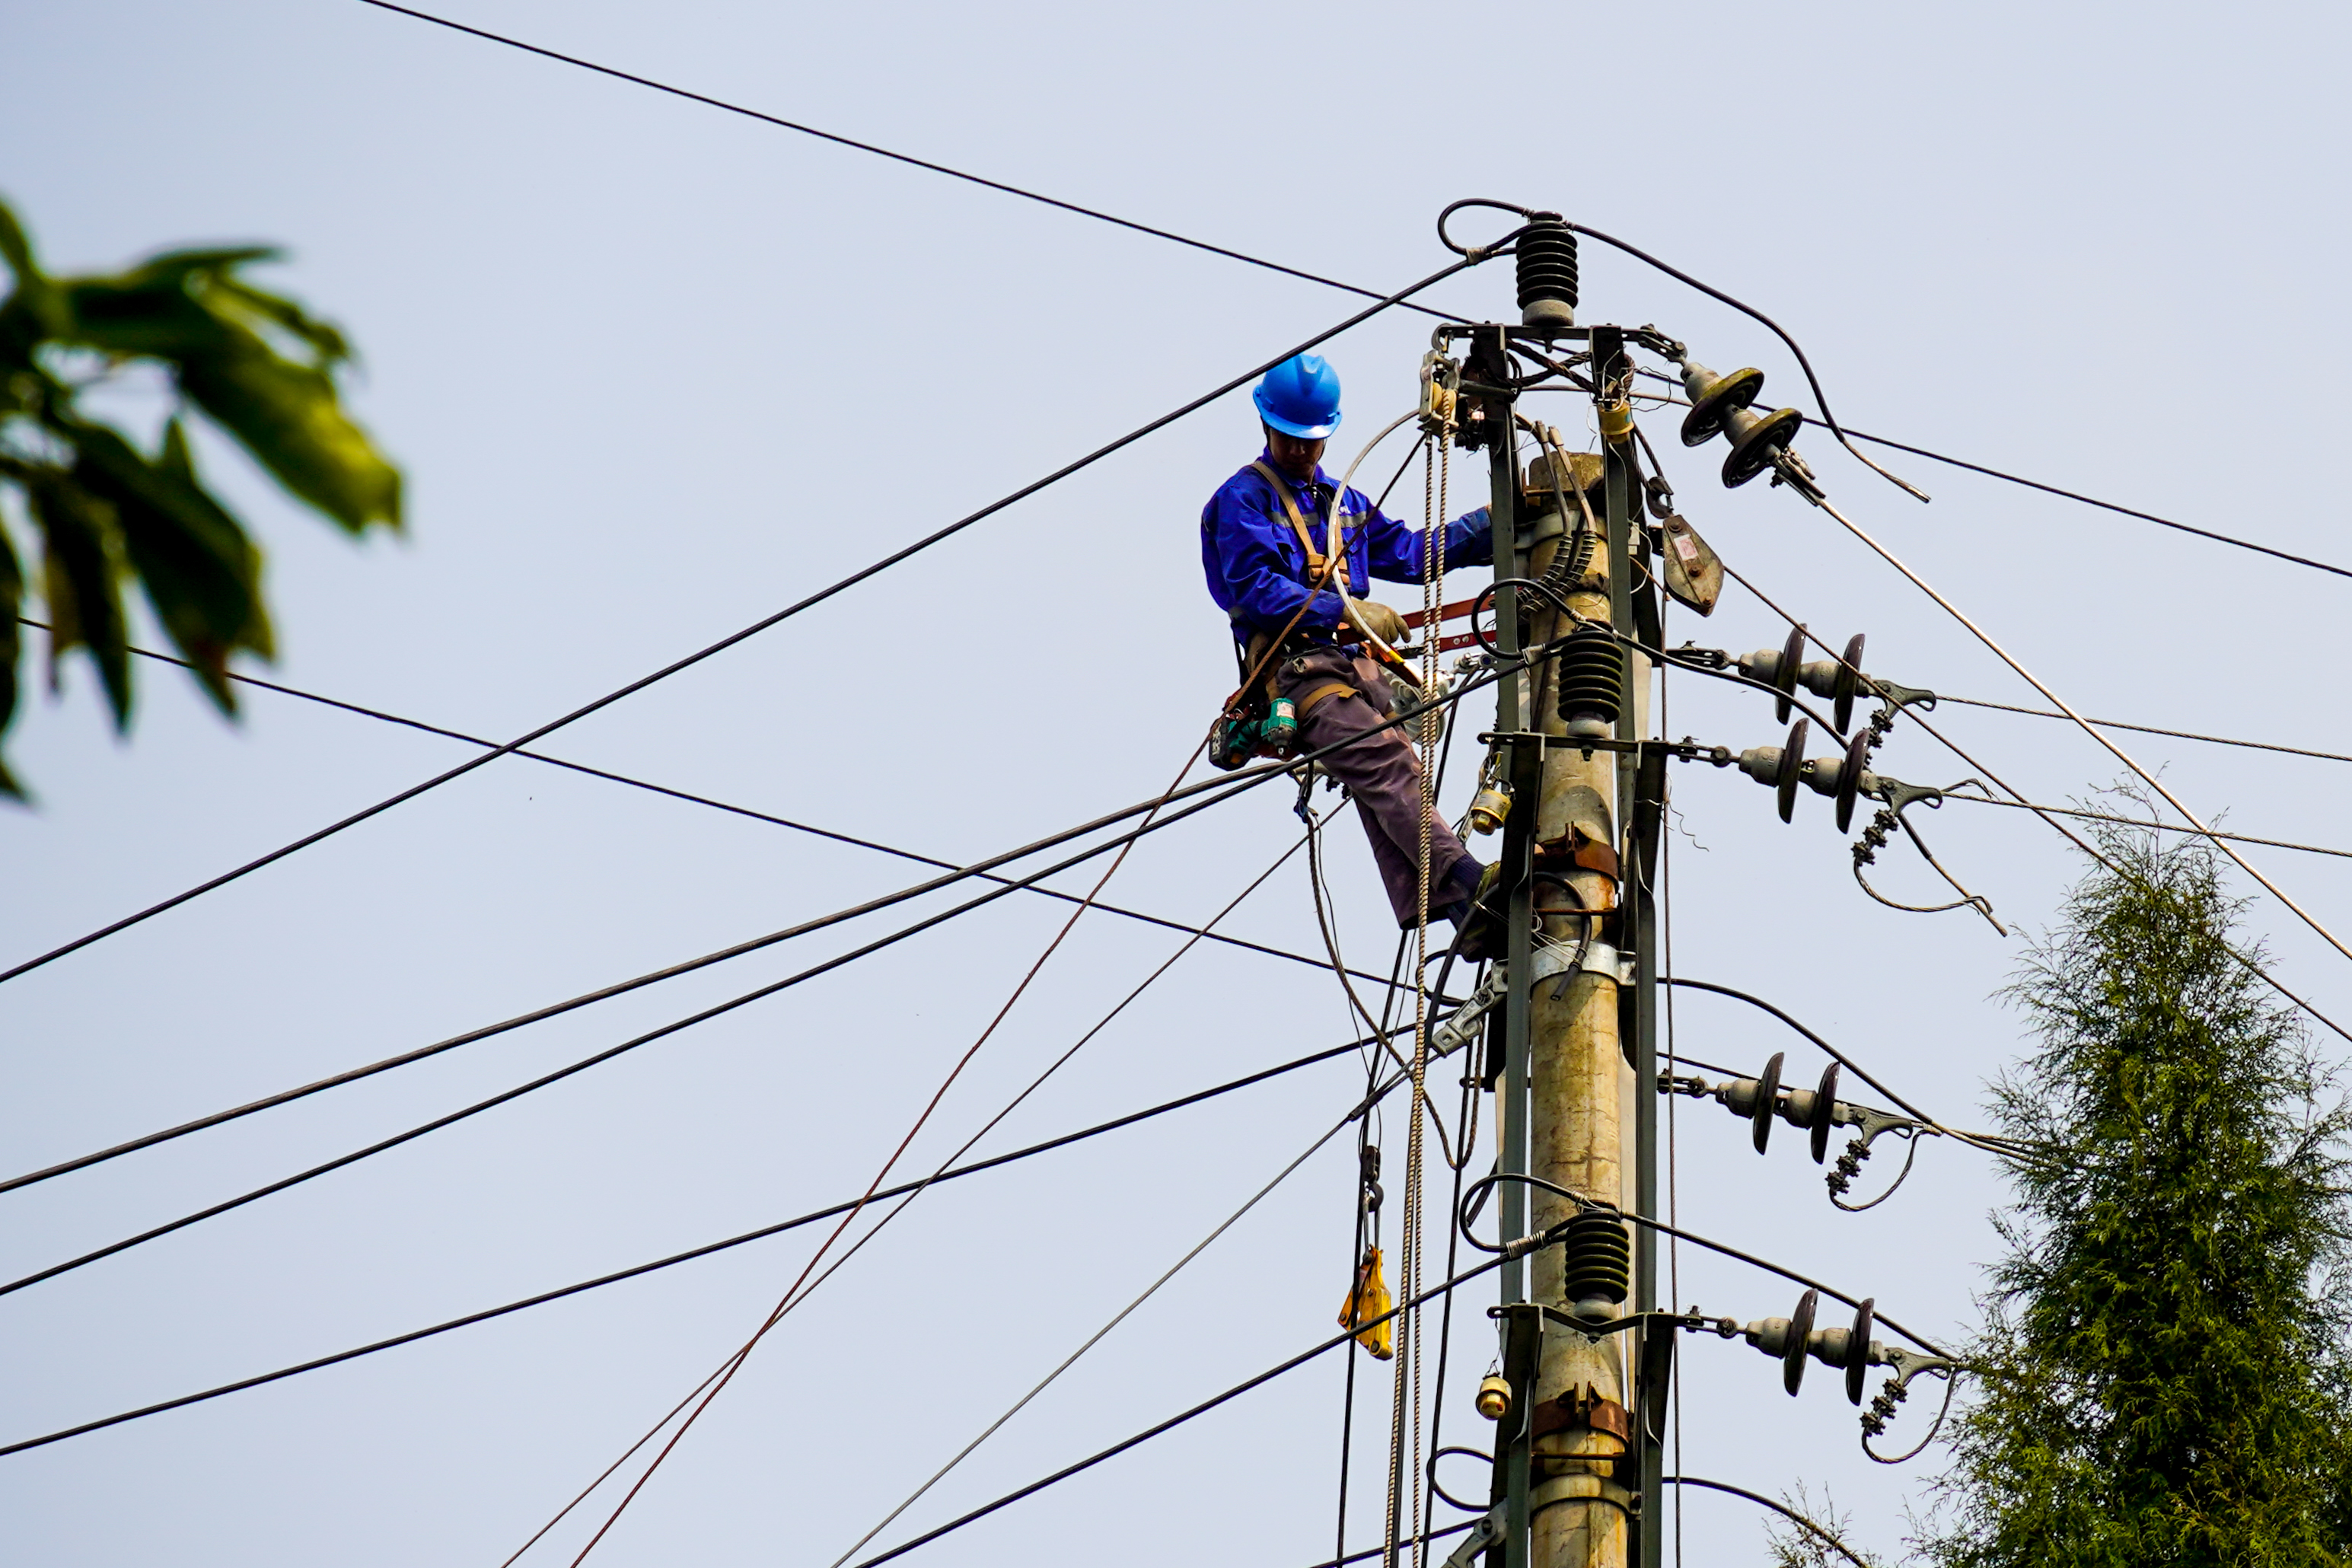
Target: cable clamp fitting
pixel 1595 957
pixel 1484 1534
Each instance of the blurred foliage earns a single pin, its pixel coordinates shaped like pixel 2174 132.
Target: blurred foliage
pixel 100 511
pixel 2164 1369
pixel 1790 1545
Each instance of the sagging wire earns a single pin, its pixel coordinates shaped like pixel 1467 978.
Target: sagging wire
pixel 1882 1411
pixel 1477 254
pixel 2090 851
pixel 1841 1177
pixel 2151 780
pixel 1873 837
pixel 1904 1364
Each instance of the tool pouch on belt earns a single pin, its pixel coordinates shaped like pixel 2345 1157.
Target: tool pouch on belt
pixel 1261 722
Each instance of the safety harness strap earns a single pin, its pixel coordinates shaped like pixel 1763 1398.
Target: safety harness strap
pixel 1318 565
pixel 1322 694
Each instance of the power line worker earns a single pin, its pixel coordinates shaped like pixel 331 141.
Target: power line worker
pixel 1263 545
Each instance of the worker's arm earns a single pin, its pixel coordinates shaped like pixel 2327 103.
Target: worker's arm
pixel 1254 566
pixel 1397 552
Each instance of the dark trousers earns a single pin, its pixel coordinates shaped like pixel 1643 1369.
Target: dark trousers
pixel 1382 771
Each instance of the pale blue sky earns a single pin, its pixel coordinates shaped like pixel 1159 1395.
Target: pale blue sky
pixel 654 370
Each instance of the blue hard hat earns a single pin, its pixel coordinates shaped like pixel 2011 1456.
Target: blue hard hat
pixel 1300 397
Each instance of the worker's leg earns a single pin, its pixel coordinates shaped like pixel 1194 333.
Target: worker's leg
pixel 1382 770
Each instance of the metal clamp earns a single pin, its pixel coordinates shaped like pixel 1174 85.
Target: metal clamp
pixel 1592 957
pixel 1461 1027
pixel 1483 1534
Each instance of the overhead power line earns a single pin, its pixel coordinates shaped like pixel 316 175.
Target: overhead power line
pixel 703 800
pixel 2148 728
pixel 810 601
pixel 907 158
pixel 1235 784
pixel 1441 1288
pixel 2007 478
pixel 2212 833
pixel 1238 782
pixel 2103 505
pixel 571 1069
pixel 675 1258
pixel 1841 432
pixel 2247 960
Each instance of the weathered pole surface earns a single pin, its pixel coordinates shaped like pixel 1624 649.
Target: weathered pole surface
pixel 1579 1084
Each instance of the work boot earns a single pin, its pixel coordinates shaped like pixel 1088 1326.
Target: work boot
pixel 1450 901
pixel 1478 931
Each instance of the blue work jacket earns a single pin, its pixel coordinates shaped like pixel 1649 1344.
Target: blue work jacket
pixel 1257 572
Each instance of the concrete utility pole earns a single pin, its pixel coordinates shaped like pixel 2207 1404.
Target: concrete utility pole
pixel 1577 1462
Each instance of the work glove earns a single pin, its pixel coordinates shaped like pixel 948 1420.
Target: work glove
pixel 1380 620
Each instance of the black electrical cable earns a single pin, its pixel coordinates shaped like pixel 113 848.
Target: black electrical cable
pixel 743 811
pixel 1839 1546
pixel 1842 434
pixel 2158 826
pixel 906 158
pixel 1782 1509
pixel 1343 1337
pixel 861 575
pixel 1942 697
pixel 1238 783
pixel 1826 1048
pixel 704 1251
pixel 1248 780
pixel 1476 1197
pixel 2102 505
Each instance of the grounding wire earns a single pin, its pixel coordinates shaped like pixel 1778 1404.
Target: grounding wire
pixel 543 1298
pixel 808 601
pixel 1235 783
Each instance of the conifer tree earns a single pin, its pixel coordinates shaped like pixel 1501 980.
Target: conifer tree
pixel 2162 1375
